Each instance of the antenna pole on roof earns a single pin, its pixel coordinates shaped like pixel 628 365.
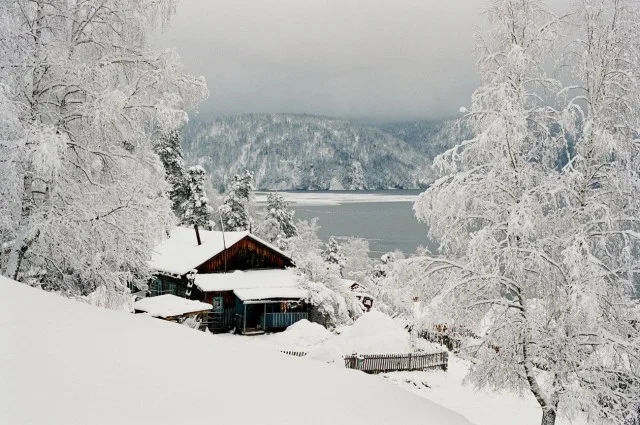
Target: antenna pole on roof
pixel 224 242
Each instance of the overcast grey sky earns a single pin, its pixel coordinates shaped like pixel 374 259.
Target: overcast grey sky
pixel 381 59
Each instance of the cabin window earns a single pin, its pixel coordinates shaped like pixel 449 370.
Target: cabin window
pixel 218 306
pixel 170 288
pixel 160 287
pixel 155 288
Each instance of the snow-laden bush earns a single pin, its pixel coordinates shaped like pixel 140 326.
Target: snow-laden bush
pixel 192 322
pixel 121 300
pixel 358 265
pixel 332 302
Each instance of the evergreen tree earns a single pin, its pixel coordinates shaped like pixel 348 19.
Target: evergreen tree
pixel 196 209
pixel 234 211
pixel 278 210
pixel 357 180
pixel 333 253
pixel 169 150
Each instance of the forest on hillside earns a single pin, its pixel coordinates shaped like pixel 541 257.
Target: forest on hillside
pixel 298 151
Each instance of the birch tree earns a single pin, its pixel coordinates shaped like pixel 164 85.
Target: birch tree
pixel 83 97
pixel 537 260
pixel 601 199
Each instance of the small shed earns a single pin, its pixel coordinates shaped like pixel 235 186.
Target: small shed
pixel 172 308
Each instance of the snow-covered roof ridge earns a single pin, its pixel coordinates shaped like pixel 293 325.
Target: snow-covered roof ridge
pixel 180 253
pixel 168 305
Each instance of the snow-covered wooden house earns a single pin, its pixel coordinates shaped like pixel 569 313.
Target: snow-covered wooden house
pixel 248 281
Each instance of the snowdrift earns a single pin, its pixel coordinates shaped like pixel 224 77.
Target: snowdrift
pixel 63 362
pixel 300 336
pixel 373 333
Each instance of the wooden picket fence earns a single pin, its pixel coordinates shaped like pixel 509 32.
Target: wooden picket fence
pixel 452 343
pixel 380 363
pixel 294 353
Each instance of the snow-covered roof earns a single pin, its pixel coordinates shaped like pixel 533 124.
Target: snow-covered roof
pixel 273 278
pixel 170 306
pixel 254 284
pixel 180 253
pixel 270 293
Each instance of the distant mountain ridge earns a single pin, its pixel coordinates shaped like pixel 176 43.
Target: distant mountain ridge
pixel 300 152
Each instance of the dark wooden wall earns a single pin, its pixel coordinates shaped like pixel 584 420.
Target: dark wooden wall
pixel 246 254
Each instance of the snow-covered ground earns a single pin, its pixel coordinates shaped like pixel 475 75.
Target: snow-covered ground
pixel 337 198
pixel 301 336
pixel 378 333
pixel 373 333
pixel 64 362
pixel 480 407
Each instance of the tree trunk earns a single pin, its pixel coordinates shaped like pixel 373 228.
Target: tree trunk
pixel 548 416
pixel 21 244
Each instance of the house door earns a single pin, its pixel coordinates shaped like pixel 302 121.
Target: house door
pixel 254 316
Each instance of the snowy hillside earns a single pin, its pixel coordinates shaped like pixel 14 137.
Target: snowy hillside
pixel 429 137
pixel 305 151
pixel 63 362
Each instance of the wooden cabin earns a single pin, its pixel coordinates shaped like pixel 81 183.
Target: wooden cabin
pixel 247 281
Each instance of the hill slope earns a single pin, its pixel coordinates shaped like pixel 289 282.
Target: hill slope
pixel 429 137
pixel 288 151
pixel 63 362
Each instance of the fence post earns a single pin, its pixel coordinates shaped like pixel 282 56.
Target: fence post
pixel 410 362
pixel 445 364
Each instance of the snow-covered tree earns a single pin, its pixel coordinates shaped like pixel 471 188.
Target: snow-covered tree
pixel 598 224
pixel 196 209
pixel 539 260
pixel 332 301
pixel 277 225
pixel 83 97
pixel 278 209
pixel 357 181
pixel 333 254
pixel 358 265
pixel 169 150
pixel 400 289
pixel 235 208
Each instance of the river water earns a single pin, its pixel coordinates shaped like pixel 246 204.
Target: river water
pixel 384 218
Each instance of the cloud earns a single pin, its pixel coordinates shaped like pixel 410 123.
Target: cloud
pixel 358 58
